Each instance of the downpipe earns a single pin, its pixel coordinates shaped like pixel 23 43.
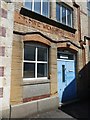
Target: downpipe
pixel 10 112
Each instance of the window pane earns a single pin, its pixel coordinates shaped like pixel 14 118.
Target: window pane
pixel 45 10
pixel 29 52
pixel 63 15
pixel 88 4
pixel 29 70
pixel 37 6
pixel 41 70
pixel 58 12
pixel 65 56
pixel 28 5
pixel 68 17
pixel 42 54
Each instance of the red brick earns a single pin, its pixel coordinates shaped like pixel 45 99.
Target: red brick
pixel 2 31
pixel 1 92
pixel 1 71
pixel 3 13
pixel 2 51
pixel 89 43
pixel 36 98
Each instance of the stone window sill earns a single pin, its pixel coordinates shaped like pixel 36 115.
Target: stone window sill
pixel 33 82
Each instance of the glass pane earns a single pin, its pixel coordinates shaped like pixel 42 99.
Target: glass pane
pixel 37 6
pixel 68 17
pixel 63 15
pixel 29 52
pixel 29 70
pixel 65 56
pixel 41 70
pixel 42 54
pixel 45 10
pixel 28 5
pixel 88 4
pixel 62 56
pixel 71 57
pixel 58 55
pixel 58 12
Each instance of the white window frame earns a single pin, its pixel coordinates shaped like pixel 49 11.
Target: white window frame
pixel 36 62
pixel 41 11
pixel 60 16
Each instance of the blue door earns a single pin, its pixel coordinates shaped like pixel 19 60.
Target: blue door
pixel 66 80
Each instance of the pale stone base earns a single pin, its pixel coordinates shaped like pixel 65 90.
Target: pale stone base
pixel 34 107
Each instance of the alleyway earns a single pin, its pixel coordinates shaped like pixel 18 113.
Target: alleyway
pixel 78 109
pixel 75 110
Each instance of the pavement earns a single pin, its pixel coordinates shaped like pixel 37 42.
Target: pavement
pixel 51 114
pixel 76 110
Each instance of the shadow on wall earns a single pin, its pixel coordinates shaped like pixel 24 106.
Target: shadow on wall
pixel 70 92
pixel 79 88
pixel 84 81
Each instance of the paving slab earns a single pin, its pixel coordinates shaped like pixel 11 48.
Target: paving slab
pixel 51 114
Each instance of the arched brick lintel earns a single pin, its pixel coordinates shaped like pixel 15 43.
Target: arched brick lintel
pixel 64 46
pixel 37 38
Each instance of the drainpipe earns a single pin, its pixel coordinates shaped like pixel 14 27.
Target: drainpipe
pixel 10 113
pixel 82 43
pixel 87 38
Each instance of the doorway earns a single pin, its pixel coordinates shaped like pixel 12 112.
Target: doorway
pixel 66 77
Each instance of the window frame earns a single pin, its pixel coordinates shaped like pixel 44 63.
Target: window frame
pixel 61 5
pixel 35 62
pixel 41 7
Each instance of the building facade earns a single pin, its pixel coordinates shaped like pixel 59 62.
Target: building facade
pixel 47 55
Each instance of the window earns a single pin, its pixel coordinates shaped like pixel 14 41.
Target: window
pixel 88 4
pixel 88 7
pixel 38 6
pixel 64 14
pixel 35 61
